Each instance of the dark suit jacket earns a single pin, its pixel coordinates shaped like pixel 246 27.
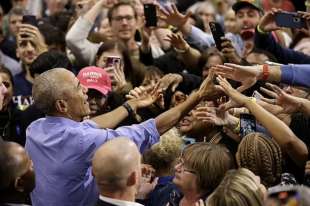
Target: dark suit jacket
pixel 103 203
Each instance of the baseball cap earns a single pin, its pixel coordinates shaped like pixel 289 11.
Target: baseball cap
pixel 256 4
pixel 95 78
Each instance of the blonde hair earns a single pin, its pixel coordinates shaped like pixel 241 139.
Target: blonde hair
pixel 238 188
pixel 163 154
pixel 261 155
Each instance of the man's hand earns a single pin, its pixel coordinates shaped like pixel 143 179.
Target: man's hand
pixel 177 41
pixel 31 33
pixel 229 51
pixel 267 22
pixel 247 75
pixel 173 17
pixel 141 97
pixel 290 104
pixel 172 80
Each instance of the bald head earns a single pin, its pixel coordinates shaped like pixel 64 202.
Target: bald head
pixel 51 86
pixel 14 163
pixel 114 162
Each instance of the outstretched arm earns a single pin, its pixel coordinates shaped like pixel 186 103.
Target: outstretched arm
pixel 280 132
pixel 169 118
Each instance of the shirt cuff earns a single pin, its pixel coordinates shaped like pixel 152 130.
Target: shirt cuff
pixel 287 74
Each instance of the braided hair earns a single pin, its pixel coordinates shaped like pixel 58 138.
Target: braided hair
pixel 261 155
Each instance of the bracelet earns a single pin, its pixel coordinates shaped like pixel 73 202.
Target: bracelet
pixel 237 129
pixel 307 4
pixel 265 72
pixel 260 30
pixel 129 109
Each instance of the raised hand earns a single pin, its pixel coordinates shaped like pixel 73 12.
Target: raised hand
pixel 267 22
pixel 208 90
pixel 143 97
pixel 247 75
pixel 236 98
pixel 173 17
pixel 117 76
pixel 169 79
pixel 289 103
pixel 31 33
pixel 177 41
pixel 212 116
pixel 229 51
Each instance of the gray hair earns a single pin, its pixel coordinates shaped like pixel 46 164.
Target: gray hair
pixel 47 88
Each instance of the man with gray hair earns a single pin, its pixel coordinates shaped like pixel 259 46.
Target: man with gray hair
pixel 62 145
pixel 118 182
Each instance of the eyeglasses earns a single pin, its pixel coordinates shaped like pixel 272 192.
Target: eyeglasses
pixel 180 162
pixel 120 18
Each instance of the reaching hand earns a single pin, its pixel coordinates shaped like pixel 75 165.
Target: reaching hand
pixel 31 33
pixel 172 80
pixel 208 90
pixel 177 41
pixel 143 97
pixel 236 98
pixel 289 103
pixel 247 75
pixel 212 116
pixel 173 17
pixel 267 22
pixel 229 51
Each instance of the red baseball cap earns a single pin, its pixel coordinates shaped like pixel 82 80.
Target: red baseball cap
pixel 95 78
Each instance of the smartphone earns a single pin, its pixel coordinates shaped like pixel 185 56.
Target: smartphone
pixel 112 60
pixel 30 19
pixel 217 33
pixel 247 124
pixel 290 20
pixel 150 15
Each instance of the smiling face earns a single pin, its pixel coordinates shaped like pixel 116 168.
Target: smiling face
pixel 124 23
pixel 75 94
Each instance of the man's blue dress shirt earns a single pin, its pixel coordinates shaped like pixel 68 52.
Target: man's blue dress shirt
pixel 62 149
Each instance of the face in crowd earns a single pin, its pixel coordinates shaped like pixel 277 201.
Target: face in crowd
pixel 193 127
pixel 8 84
pixel 14 22
pixel 3 92
pixel 247 18
pixel 123 22
pixel 26 51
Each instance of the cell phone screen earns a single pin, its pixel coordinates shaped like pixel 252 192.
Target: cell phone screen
pixel 111 61
pixel 217 33
pixel 247 124
pixel 150 15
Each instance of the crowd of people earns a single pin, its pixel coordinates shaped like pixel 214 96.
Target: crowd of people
pixel 98 109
